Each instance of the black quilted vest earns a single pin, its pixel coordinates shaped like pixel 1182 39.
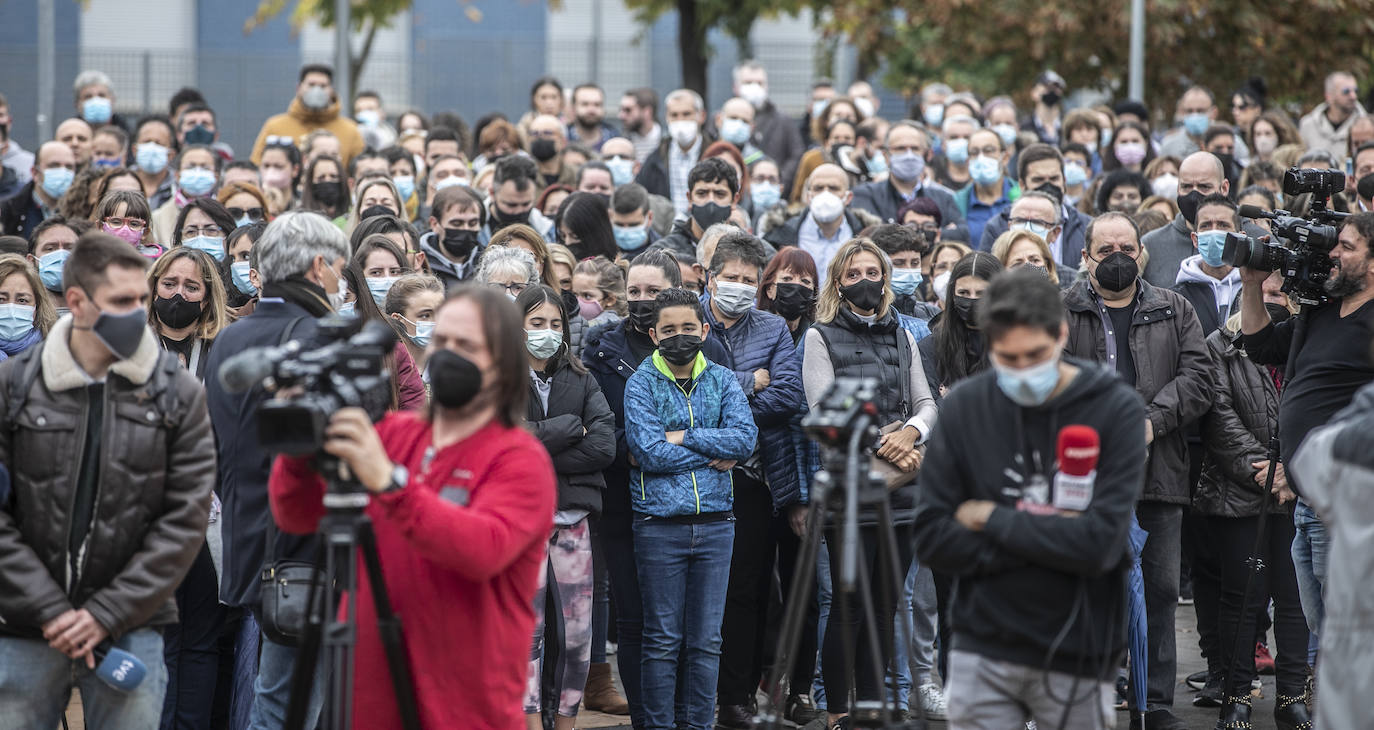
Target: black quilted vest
pixel 862 350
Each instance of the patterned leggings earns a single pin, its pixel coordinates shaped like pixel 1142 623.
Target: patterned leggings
pixel 570 565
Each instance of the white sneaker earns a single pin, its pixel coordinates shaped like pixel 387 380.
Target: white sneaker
pixel 932 701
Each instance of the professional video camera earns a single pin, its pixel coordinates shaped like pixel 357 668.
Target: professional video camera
pixel 349 371
pixel 846 406
pixel 1306 265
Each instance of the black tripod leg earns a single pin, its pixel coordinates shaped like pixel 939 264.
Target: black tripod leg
pixel 308 652
pixel 887 545
pixel 389 630
pixel 794 615
pixel 873 632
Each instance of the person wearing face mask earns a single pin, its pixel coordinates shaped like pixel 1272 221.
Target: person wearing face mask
pixel 990 192
pixel 779 136
pixel 858 334
pixel 410 307
pixel 154 145
pixel 514 186
pixel 568 414
pixel 99 537
pixel 1041 169
pixel 463 500
pixel 599 285
pixel 993 514
pixel 53 170
pixel 26 312
pixel 956 348
pixel 763 358
pixel 613 353
pixel 1208 283
pixel 301 257
pixel 666 170
pixel 735 122
pixel 906 248
pixel 49 247
pixel 1196 112
pixel 1152 338
pixel 315 106
pixel 451 243
pixel 16 163
pixel 1048 94
pixel 829 219
pixel 954 134
pixel 687 425
pixel 632 220
pixel 197 177
pixel 907 148
pixel 712 191
pixel 1200 175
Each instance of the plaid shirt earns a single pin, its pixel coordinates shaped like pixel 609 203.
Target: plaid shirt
pixel 679 167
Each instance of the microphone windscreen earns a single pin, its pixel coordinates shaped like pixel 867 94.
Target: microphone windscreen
pixel 1253 211
pixel 1078 449
pixel 121 670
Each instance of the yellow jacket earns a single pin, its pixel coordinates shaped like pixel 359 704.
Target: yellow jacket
pixel 299 121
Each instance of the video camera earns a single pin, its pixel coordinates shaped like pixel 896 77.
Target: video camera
pixel 846 406
pixel 349 371
pixel 1306 265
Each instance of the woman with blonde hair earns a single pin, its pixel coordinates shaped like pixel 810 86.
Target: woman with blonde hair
pixel 1020 247
pixel 26 312
pixel 857 334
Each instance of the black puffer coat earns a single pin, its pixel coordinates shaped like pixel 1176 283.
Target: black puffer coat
pixel 579 433
pixel 1236 431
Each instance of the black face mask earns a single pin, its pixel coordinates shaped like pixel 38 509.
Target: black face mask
pixel 373 211
pixel 176 312
pixel 1188 205
pixel 1054 191
pixel 453 379
pixel 543 149
pixel 642 314
pixel 967 309
pixel 199 134
pixel 793 300
pixel 865 294
pixel 327 194
pixel 680 349
pixel 500 220
pixel 1277 312
pixel 709 214
pixel 1365 186
pixel 458 242
pixel 1117 272
pixel 1050 98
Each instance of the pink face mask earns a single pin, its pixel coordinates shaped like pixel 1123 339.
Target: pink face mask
pixel 590 310
pixel 124 234
pixel 276 178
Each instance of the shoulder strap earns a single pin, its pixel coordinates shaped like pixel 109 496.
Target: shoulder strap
pixel 904 365
pixel 286 333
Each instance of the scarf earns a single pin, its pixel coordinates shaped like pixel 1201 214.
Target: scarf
pixel 302 292
pixel 10 348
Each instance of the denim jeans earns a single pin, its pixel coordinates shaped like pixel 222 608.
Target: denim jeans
pixel 823 591
pixel 1309 561
pixel 913 658
pixel 272 692
pixel 36 684
pixel 684 572
pixel 1160 565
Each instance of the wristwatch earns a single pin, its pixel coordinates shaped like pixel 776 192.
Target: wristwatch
pixel 400 477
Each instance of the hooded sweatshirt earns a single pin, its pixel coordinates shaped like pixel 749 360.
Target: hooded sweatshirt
pixel 1017 581
pixel 298 121
pixel 1224 290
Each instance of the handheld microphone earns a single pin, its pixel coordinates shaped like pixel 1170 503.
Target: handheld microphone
pixel 118 668
pixel 1078 450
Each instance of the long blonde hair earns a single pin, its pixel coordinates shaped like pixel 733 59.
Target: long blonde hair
pixel 214 313
pixel 1001 248
pixel 44 313
pixel 828 305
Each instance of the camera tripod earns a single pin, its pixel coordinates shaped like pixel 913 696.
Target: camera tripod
pixel 841 504
pixel 345 531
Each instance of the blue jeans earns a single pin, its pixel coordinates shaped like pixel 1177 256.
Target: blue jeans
pixel 823 590
pixel 36 684
pixel 684 572
pixel 913 658
pixel 272 692
pixel 1309 560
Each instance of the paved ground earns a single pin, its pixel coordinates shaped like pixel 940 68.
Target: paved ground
pixel 1189 661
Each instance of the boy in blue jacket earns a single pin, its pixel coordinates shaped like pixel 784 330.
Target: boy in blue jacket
pixel 686 424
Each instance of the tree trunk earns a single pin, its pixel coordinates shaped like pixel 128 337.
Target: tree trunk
pixel 691 42
pixel 358 61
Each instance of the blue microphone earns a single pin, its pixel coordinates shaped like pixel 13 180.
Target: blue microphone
pixel 118 668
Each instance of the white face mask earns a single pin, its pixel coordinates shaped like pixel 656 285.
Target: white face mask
pixel 337 299
pixel 826 207
pixel 684 131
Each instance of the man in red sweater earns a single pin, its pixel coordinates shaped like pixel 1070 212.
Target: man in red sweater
pixel 462 506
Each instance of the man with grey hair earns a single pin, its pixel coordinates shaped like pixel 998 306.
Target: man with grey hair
pixel 301 258
pixel 665 172
pixel 776 134
pixel 94 95
pixel 1328 125
pixel 932 106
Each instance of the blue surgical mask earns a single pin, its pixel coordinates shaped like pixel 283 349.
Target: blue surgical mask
pixel 877 164
pixel 934 114
pixel 97 110
pixel 1106 137
pixel 907 166
pixel 50 268
pixel 629 238
pixel 1007 132
pixel 735 131
pixel 104 164
pixel 423 331
pixel 56 180
pixel 196 181
pixel 818 107
pixel 346 309
pixel 450 181
pixel 543 344
pixel 1031 386
pixel 956 151
pixel 239 273
pixel 1210 245
pixel 405 185
pixel 212 246
pixel 905 281
pixel 1196 124
pixel 622 170
pixel 985 170
pixel 379 286
pixel 16 321
pixel 151 157
pixel 1039 229
pixel 368 117
pixel 1074 174
pixel 765 195
pixel 244 221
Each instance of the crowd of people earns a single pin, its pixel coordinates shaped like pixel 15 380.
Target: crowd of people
pixel 607 337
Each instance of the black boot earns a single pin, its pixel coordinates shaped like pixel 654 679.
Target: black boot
pixel 1292 713
pixel 1237 716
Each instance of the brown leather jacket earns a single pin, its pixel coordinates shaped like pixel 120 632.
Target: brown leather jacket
pixel 152 501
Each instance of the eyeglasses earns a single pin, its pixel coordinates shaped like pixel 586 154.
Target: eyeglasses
pixel 213 231
pixel 254 214
pixel 514 287
pixel 925 227
pixel 1031 222
pixel 133 224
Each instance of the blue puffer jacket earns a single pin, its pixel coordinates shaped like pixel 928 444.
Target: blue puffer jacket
pixel 677 480
pixel 761 340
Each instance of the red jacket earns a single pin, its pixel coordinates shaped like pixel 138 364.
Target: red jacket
pixel 461 548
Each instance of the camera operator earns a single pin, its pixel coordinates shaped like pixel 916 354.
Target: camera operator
pixel 1324 353
pixel 1039 600
pixel 301 258
pixel 462 505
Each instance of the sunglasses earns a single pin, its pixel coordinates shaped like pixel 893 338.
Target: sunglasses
pixel 279 141
pixel 254 214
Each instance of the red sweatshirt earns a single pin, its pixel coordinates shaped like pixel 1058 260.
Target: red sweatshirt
pixel 461 548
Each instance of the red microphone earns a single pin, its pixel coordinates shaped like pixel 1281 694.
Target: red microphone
pixel 1078 450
